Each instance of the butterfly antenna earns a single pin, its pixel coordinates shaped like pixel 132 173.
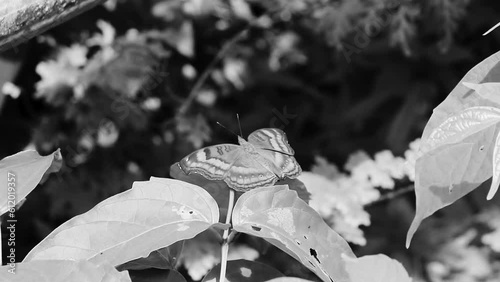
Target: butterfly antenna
pixel 491 29
pixel 226 128
pixel 239 124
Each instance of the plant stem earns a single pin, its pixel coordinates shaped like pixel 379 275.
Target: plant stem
pixel 225 236
pixel 208 70
pixel 392 195
pixel 218 57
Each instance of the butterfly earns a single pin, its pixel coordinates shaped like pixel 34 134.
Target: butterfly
pixel 260 161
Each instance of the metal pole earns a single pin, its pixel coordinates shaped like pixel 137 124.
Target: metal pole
pixel 21 20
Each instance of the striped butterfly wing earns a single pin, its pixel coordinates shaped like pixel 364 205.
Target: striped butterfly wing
pixel 272 144
pixel 241 170
pixel 271 139
pixel 259 162
pixel 211 162
pixel 250 171
pixel 284 165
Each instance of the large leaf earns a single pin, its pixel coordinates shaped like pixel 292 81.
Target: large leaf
pixel 447 174
pixel 62 271
pixel 151 215
pixel 495 182
pixel 491 91
pixel 281 218
pixel 473 146
pixel 243 271
pixel 376 268
pixel 23 171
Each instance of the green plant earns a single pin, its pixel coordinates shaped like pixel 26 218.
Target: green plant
pixel 459 149
pixel 159 213
pixel 124 99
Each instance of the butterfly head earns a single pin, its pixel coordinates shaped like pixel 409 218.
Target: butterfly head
pixel 241 141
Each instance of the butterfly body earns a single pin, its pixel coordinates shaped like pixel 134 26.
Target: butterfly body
pixel 260 161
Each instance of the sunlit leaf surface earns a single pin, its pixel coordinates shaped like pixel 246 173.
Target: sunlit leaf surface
pixel 280 217
pixel 376 268
pixel 458 127
pixel 24 171
pixel 151 215
pixel 496 169
pixel 62 271
pixel 453 163
pixel 491 92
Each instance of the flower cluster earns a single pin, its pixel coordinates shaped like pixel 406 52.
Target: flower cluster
pixel 340 197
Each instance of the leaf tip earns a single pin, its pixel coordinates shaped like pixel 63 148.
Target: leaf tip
pixel 493 190
pixel 413 228
pixel 490 195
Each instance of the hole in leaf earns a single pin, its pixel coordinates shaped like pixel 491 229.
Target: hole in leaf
pixel 314 254
pixel 256 228
pixel 246 272
pixel 190 212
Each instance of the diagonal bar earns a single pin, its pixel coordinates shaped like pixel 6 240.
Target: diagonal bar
pixel 21 20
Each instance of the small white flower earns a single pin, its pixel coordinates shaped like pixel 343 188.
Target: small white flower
pixel 151 104
pixel 234 70
pixel 107 134
pixel 188 71
pixel 11 90
pixel 206 97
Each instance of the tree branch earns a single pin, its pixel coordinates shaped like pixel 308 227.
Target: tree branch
pixel 392 195
pixel 21 20
pixel 210 68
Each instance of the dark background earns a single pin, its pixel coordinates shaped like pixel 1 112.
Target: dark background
pixel 336 76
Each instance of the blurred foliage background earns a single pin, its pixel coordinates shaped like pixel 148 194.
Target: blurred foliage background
pixel 130 87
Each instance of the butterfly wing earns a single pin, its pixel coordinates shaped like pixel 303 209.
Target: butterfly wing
pixel 283 165
pixel 250 171
pixel 212 162
pixel 271 139
pixel 239 169
pixel 272 144
pixel 259 162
